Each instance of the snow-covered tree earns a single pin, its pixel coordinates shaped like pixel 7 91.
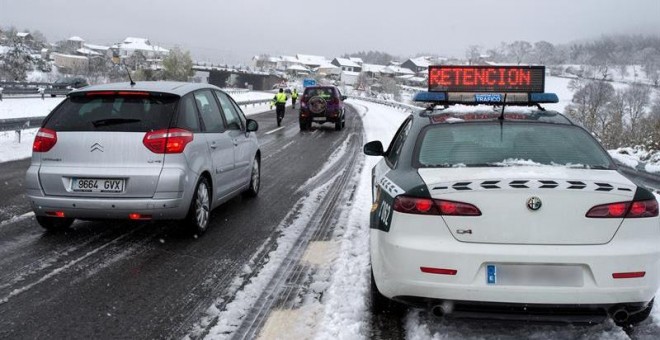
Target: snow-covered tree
pixel 15 63
pixel 177 65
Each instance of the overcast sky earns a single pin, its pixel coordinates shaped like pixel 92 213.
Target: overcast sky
pixel 233 31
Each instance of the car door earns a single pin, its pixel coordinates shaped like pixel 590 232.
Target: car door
pixel 243 150
pixel 219 142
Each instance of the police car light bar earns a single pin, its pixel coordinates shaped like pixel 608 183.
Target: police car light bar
pixel 442 98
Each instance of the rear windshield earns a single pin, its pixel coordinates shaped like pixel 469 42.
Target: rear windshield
pixel 511 144
pixel 325 92
pixel 113 113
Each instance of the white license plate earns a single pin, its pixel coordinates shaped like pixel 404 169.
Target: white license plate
pixel 319 119
pixel 97 185
pixel 534 275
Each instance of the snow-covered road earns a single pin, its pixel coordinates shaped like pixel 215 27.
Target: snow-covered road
pixel 334 303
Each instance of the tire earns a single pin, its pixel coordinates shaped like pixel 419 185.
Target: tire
pixel 636 318
pixel 199 213
pixel 54 223
pixel 338 125
pixel 381 304
pixel 255 179
pixel 303 125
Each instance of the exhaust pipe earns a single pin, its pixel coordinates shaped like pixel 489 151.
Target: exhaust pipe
pixel 444 308
pixel 439 311
pixel 620 315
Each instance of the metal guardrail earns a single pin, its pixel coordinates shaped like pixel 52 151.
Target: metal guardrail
pixel 396 105
pixel 18 124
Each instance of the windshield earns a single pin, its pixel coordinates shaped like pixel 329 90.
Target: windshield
pixel 113 113
pixel 320 92
pixel 512 144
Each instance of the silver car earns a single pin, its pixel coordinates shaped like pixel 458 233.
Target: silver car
pixel 151 151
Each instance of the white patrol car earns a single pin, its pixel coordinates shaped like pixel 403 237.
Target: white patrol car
pixel 507 210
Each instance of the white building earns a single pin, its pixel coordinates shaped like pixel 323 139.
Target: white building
pixel 131 45
pixel 347 65
pixel 312 61
pixel 70 62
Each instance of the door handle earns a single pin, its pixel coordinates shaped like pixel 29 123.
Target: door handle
pixel 213 146
pixel 235 141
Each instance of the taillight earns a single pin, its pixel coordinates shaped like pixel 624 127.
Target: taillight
pixel 428 206
pixel 635 209
pixel 44 140
pixel 167 140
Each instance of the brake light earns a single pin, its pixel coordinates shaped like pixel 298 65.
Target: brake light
pixel 628 275
pixel 439 271
pixel 59 214
pixel 138 217
pixel 428 206
pixel 117 93
pixel 100 93
pixel 635 209
pixel 44 140
pixel 167 140
pixel 133 93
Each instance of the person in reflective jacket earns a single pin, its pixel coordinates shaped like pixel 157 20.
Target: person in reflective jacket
pixel 280 101
pixel 294 96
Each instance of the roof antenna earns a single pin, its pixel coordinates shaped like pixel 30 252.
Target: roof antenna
pixel 501 118
pixel 129 73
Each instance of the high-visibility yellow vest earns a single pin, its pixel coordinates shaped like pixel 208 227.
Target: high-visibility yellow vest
pixel 294 94
pixel 280 98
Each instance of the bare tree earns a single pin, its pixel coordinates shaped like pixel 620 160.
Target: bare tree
pixel 614 136
pixel 650 127
pixel 637 98
pixel 544 52
pixel 519 50
pixel 650 60
pixel 473 54
pixel 589 106
pixel 390 86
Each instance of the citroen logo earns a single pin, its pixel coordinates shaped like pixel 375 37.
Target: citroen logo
pixel 534 203
pixel 96 147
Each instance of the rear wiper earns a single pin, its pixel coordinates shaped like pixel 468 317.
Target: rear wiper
pixel 114 121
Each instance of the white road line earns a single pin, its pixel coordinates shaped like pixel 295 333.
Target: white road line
pixel 271 131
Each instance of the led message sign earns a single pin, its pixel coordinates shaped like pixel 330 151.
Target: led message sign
pixel 445 78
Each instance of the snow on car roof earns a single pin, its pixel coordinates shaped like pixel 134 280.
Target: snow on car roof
pixel 465 113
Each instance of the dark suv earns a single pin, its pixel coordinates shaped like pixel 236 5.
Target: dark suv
pixel 322 104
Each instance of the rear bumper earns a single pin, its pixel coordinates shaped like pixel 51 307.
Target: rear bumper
pixel 327 116
pixel 545 313
pixel 397 257
pixel 110 208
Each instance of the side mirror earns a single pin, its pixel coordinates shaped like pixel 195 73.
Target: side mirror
pixel 252 125
pixel 374 148
pixel 343 98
